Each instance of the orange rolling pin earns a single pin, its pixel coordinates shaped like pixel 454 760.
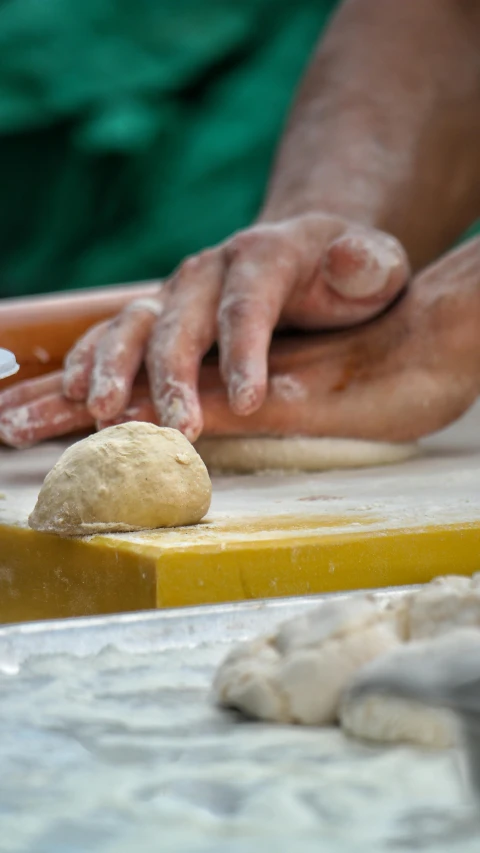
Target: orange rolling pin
pixel 40 330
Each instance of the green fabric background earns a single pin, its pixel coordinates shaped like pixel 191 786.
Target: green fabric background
pixel 134 132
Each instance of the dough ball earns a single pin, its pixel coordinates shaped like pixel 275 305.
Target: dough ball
pixel 249 454
pixel 298 674
pixel 133 476
pixel 387 719
pixel 445 604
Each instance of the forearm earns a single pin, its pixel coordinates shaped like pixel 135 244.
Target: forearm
pixel 386 126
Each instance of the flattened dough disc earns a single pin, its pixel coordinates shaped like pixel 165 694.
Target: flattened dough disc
pixel 248 454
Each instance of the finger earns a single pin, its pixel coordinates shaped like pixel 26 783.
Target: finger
pixel 30 389
pixel 118 357
pixel 304 372
pixel 366 265
pixel 183 334
pixel 274 418
pixel 48 417
pixel 79 363
pixel 141 410
pixel 140 407
pixel 260 276
pixel 311 390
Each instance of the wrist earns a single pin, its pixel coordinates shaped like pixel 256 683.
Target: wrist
pixel 385 131
pixel 335 166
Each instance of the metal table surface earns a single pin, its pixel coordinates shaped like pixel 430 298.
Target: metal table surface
pixel 110 744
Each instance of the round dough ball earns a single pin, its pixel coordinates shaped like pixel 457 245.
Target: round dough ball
pixel 133 476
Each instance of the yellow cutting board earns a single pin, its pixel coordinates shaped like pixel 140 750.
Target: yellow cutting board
pixel 266 536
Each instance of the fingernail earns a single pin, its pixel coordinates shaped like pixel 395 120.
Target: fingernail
pixel 107 396
pixel 178 408
pixel 359 267
pixel 243 395
pixel 192 433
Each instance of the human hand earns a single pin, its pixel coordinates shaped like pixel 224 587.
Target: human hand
pixel 411 372
pixel 312 272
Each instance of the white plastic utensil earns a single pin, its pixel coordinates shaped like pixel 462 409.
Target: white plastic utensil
pixel 8 364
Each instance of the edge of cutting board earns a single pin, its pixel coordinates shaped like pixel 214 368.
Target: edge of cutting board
pixel 45 577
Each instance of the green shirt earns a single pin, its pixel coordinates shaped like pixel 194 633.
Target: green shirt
pixel 135 132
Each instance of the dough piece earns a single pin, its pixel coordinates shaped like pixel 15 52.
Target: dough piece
pixel 349 660
pixel 298 674
pixel 400 695
pixel 133 476
pixel 444 604
pixel 386 719
pixel 246 455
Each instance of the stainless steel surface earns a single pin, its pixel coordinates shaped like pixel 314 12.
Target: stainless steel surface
pixel 110 744
pixel 165 629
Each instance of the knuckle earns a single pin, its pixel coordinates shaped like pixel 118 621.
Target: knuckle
pixel 189 266
pixel 163 342
pixel 194 264
pixel 142 307
pixel 234 310
pixel 242 244
pixel 240 310
pixel 274 244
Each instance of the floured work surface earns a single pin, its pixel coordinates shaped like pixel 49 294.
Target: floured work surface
pixel 265 536
pixel 118 750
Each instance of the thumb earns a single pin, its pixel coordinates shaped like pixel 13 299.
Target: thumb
pixel 366 265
